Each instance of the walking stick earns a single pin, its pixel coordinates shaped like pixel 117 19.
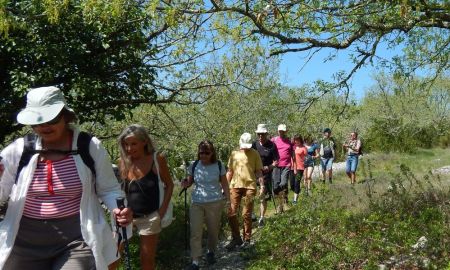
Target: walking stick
pixel 186 165
pixel 121 205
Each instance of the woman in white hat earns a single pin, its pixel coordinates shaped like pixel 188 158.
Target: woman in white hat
pixel 54 219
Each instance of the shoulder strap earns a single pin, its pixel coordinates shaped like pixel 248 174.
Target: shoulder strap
pixel 84 139
pixel 193 169
pixel 219 163
pixel 29 149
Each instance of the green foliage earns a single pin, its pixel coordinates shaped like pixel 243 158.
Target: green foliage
pixel 322 236
pixel 98 65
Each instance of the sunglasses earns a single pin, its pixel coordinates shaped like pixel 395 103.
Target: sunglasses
pixel 52 122
pixel 261 134
pixel 204 153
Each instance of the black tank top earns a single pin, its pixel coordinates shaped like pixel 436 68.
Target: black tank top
pixel 143 194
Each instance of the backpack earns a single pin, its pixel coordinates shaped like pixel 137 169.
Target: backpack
pixel 327 149
pixel 195 165
pixel 29 149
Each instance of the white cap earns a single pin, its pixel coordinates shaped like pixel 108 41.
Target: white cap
pixel 261 128
pixel 245 141
pixel 43 105
pixel 282 127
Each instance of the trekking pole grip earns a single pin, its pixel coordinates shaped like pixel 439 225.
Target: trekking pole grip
pixel 120 202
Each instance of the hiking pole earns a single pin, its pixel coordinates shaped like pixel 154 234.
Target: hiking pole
pixel 121 205
pixel 186 164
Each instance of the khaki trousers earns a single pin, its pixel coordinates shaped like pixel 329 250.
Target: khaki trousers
pixel 236 196
pixel 205 213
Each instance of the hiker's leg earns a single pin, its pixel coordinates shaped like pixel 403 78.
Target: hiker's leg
pixel 213 213
pixel 262 207
pixel 77 256
pixel 196 217
pixel 330 169
pixel 148 244
pixel 148 228
pixel 235 200
pixel 348 165
pixel 323 166
pixel 276 179
pixel 247 212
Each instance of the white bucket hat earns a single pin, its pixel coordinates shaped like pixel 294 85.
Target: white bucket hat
pixel 245 141
pixel 282 127
pixel 261 128
pixel 43 105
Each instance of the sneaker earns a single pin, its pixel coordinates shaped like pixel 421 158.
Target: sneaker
pixel 192 266
pixel 210 258
pixel 261 222
pixel 246 244
pixel 234 243
pixel 294 202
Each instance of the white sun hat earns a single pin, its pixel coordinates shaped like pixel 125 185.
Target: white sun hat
pixel 282 127
pixel 43 105
pixel 245 141
pixel 261 128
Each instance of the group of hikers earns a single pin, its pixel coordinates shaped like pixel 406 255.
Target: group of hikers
pixel 56 180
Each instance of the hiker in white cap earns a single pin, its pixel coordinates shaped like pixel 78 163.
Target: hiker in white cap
pixel 54 218
pixel 244 169
pixel 269 155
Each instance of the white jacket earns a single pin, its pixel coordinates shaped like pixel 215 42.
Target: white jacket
pixel 95 229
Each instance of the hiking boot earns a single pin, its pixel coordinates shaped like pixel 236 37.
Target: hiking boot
pixel 261 222
pixel 192 266
pixel 246 244
pixel 253 217
pixel 234 243
pixel 210 258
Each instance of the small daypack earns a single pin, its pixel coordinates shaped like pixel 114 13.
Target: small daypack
pixel 29 149
pixel 195 165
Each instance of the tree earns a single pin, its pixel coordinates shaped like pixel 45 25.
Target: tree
pixel 107 56
pixel 358 27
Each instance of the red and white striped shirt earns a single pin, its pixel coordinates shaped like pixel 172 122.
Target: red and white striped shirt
pixel 55 190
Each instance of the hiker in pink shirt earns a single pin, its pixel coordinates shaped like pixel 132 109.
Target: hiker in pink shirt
pixel 282 170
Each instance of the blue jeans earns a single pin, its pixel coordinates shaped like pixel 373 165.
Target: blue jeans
pixel 326 163
pixel 352 163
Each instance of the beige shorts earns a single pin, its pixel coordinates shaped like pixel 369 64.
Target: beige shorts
pixel 148 224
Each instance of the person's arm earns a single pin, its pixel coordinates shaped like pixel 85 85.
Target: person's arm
pixel 168 183
pixel 229 175
pixel 11 156
pixel 293 163
pixel 225 187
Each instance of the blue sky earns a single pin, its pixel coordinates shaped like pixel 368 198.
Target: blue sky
pixel 292 73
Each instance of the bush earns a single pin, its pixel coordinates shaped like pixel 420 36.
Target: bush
pixel 317 235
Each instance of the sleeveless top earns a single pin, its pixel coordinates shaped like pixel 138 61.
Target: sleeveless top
pixel 143 194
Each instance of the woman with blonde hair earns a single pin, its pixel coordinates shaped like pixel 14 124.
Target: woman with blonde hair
pixel 140 167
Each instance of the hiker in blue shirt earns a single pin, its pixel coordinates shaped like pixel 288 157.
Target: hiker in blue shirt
pixel 209 198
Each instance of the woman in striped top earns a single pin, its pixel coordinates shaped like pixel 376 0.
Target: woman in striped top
pixel 54 219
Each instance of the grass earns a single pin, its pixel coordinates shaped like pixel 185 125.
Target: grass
pixel 342 226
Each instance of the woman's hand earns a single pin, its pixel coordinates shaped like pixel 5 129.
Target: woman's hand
pixel 185 183
pixel 124 216
pixel 162 212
